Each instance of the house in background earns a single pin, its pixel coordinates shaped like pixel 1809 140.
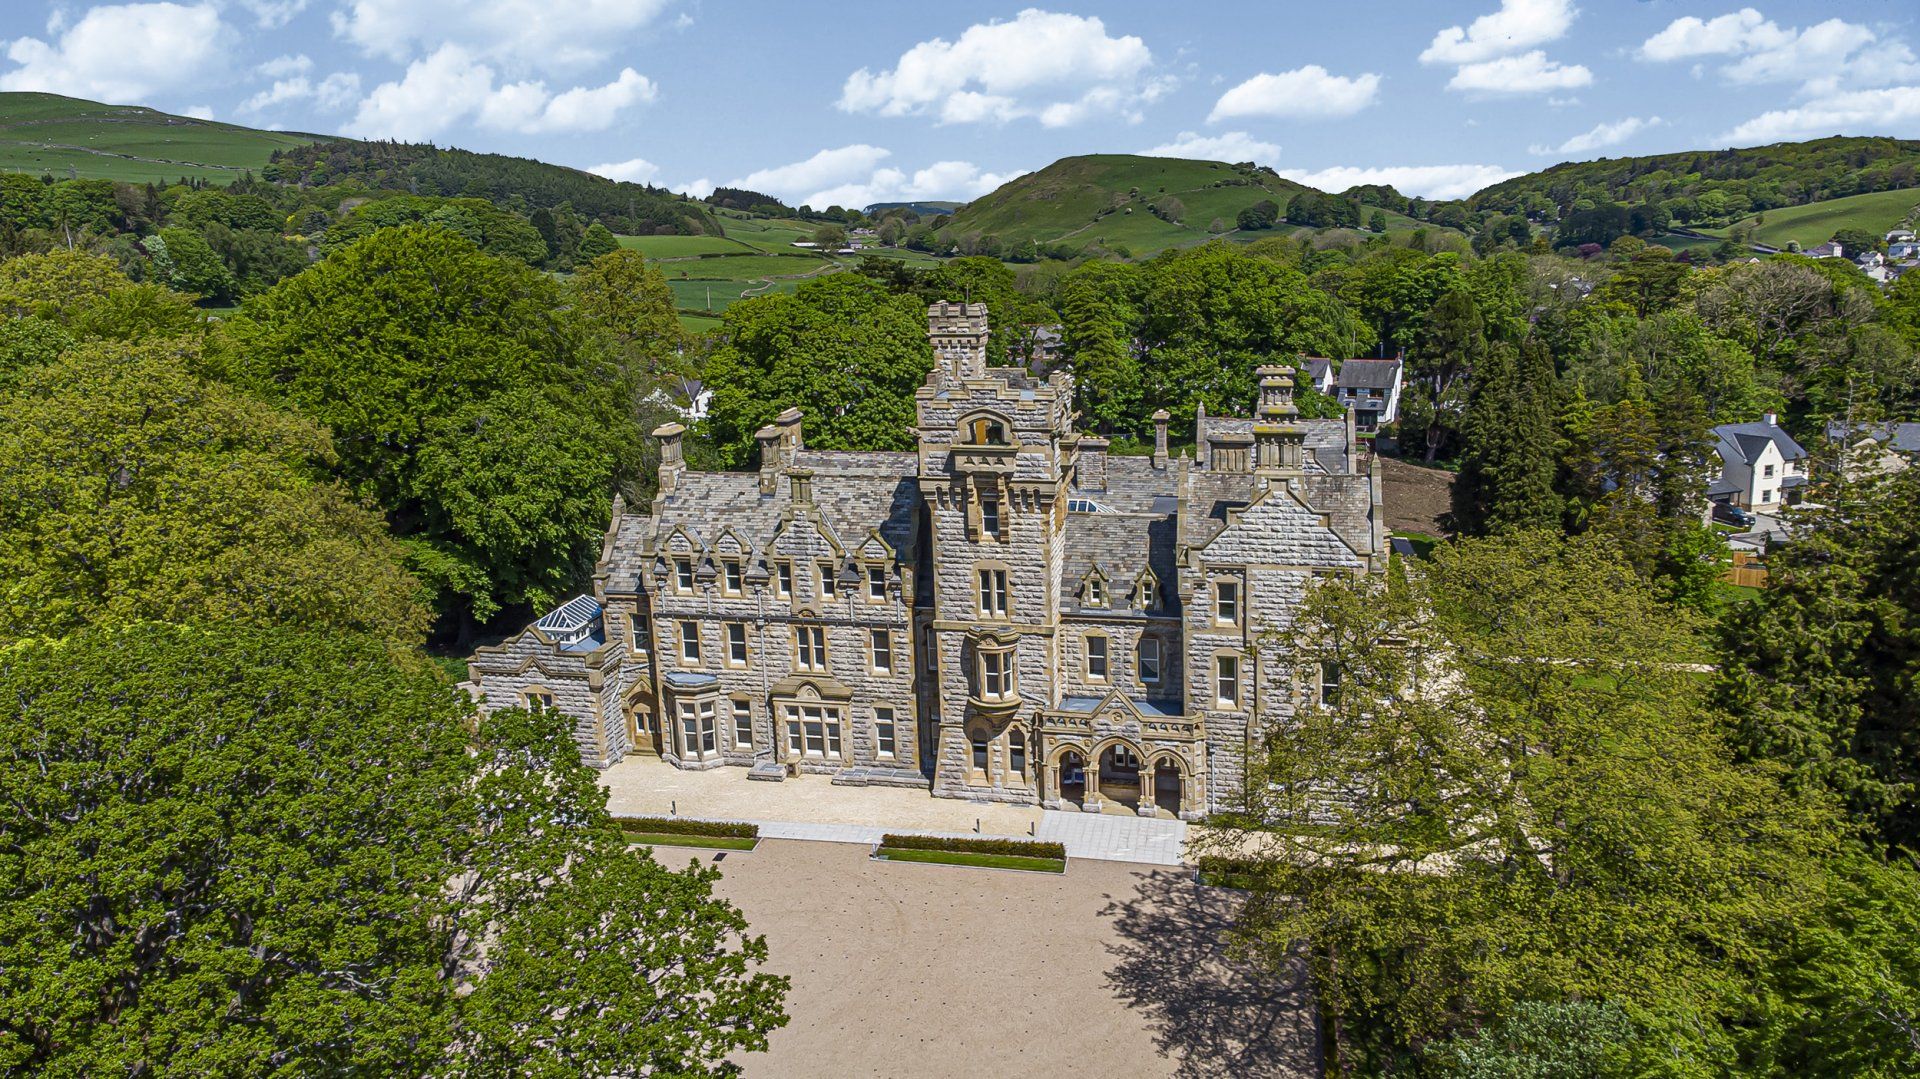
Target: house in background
pixel 1870 448
pixel 1761 467
pixel 1316 374
pixel 1370 389
pixel 1829 250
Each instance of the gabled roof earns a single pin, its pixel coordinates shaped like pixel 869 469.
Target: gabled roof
pixel 1745 442
pixel 1900 437
pixel 1368 374
pixel 573 615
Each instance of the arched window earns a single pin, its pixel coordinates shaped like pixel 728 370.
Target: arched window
pixel 986 431
pixel 1017 753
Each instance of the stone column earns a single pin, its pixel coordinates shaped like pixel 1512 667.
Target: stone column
pixel 1090 800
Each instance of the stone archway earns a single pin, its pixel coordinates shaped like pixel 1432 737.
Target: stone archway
pixel 1119 775
pixel 1168 787
pixel 1070 778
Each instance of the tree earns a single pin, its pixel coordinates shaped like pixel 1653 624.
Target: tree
pixel 1452 343
pixel 132 490
pixel 830 237
pixel 193 267
pixel 1515 794
pixel 842 349
pixel 424 355
pixel 1377 221
pixel 1099 315
pixel 1508 458
pixel 246 852
pixel 1820 677
pixel 1540 1040
pixel 597 241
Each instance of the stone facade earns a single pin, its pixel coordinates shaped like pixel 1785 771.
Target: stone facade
pixel 1008 613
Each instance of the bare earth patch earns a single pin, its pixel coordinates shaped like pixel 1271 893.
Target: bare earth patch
pixel 1415 498
pixel 902 969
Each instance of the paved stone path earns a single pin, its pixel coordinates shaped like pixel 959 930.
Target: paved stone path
pixel 812 808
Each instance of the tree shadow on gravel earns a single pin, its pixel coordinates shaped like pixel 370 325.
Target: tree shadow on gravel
pixel 1215 1014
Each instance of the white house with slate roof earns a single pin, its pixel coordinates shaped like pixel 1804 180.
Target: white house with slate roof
pixel 1008 612
pixel 1370 389
pixel 1761 467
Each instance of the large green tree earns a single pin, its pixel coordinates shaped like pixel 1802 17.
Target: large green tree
pixel 1509 453
pixel 462 400
pixel 132 489
pixel 251 853
pixel 844 349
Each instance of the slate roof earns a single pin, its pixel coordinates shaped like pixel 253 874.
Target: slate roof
pixel 1121 546
pixel 1747 441
pixel 1368 374
pixel 1899 437
pixel 1315 368
pixel 854 492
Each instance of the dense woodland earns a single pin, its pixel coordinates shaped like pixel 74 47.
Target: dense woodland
pixel 1644 827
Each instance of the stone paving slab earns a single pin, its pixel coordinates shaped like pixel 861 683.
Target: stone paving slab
pixel 812 808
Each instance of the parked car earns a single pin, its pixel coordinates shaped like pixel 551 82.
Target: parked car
pixel 1732 514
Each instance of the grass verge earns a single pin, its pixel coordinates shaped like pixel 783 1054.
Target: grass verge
pixel 980 861
pixel 711 842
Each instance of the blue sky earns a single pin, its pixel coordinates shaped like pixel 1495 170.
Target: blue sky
pixel 866 100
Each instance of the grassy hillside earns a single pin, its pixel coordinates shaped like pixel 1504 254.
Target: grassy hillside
pixel 1815 223
pixel 1103 199
pixel 72 138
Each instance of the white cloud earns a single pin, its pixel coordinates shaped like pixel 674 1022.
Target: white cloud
pixel 1894 110
pixel 1226 146
pixel 853 176
pixel 337 90
pixel 333 93
pixel 1426 181
pixel 1518 25
pixel 1309 91
pixel 1602 135
pixel 281 67
pixel 535 33
pixel 121 53
pixel 452 86
pixel 1528 73
pixel 1742 31
pixel 694 189
pixel 1057 68
pixel 1822 57
pixel 635 170
pixel 272 13
pixel 198 112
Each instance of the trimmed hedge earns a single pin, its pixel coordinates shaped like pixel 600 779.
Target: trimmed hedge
pixel 1021 848
pixel 682 826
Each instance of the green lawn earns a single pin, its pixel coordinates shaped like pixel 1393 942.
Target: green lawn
pixel 981 861
pixel 741 267
pixel 1815 223
pixel 710 842
pixel 666 247
pixel 67 136
pixel 692 297
pixel 698 323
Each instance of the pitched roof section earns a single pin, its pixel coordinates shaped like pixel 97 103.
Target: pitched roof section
pixel 1276 530
pixel 1747 441
pixel 1121 546
pixel 1368 374
pixel 575 614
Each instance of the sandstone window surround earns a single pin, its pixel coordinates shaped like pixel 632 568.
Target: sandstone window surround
pixel 536 698
pixel 1226 679
pixel 1226 601
pixel 813 730
pixel 698 737
pixel 737 654
pixel 829 584
pixel 1329 684
pixel 1146 592
pixel 1147 661
pixel 690 644
pixel 683 575
pixel 989 516
pixel 1096 666
pixel 992 577
pixel 980 757
pixel 995 688
pixel 783 579
pixel 876 583
pixel 882 651
pixel 742 710
pixel 884 743
pixel 732 578
pixel 638 635
pixel 1017 753
pixel 1095 589
pixel 810 648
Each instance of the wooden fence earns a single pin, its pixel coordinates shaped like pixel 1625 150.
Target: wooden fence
pixel 1747 570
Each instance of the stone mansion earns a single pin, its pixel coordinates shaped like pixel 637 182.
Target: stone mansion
pixel 1007 612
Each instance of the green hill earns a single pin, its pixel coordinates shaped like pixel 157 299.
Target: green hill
pixel 1705 188
pixel 68 137
pixel 1815 223
pixel 1107 200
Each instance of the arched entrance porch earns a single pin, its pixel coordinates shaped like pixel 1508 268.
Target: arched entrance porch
pixel 1119 776
pixel 1168 787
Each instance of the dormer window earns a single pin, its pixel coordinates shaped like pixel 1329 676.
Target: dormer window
pixel 683 574
pixel 986 431
pixel 1096 591
pixel 732 577
pixel 1147 593
pixel 877 584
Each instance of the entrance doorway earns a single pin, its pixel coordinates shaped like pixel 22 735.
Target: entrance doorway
pixel 1166 786
pixel 1073 778
pixel 1120 776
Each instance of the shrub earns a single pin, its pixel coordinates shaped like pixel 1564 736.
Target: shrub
pixel 682 826
pixel 1022 848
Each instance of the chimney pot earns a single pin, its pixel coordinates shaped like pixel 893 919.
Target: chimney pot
pixel 1160 418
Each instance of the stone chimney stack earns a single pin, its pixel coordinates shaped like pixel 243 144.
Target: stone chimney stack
pixel 672 464
pixel 958 333
pixel 1160 419
pixel 788 422
pixel 769 439
pixel 1279 440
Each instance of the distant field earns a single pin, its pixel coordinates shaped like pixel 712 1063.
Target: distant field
pixel 663 247
pixel 741 267
pixel 68 137
pixel 1816 222
pixel 692 297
